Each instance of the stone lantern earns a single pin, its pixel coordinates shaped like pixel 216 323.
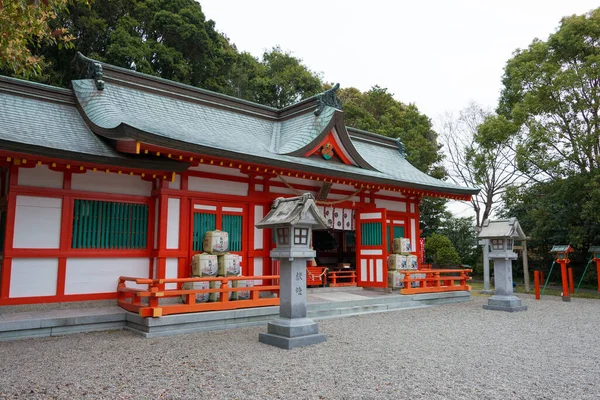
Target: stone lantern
pixel 562 257
pixel 501 235
pixel 293 220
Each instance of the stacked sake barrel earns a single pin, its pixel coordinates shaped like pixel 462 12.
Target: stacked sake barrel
pixel 216 261
pixel 400 259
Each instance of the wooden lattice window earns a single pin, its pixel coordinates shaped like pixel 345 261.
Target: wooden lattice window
pixel 203 222
pixel 232 224
pixel 109 225
pixel 370 233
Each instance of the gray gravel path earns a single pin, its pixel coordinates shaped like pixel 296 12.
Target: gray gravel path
pixel 551 351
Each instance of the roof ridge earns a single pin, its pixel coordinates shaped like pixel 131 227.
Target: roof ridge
pixel 107 68
pixel 36 90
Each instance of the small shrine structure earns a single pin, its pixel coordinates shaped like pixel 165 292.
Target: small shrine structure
pixel 501 235
pixel 293 220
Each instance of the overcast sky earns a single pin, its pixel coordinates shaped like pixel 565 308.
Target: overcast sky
pixel 437 54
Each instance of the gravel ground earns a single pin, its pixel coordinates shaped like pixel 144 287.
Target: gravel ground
pixel 455 351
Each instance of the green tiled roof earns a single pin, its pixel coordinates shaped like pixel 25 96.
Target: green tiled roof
pixel 42 120
pixel 243 136
pixel 298 132
pixel 148 109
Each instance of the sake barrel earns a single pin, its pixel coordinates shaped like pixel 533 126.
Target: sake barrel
pixel 244 294
pixel 216 296
pixel 215 241
pixel 230 264
pixel 396 261
pixel 204 265
pixel 200 297
pixel 411 262
pixel 395 280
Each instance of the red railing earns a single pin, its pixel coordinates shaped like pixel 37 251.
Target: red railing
pixel 435 280
pixel 341 278
pixel 146 302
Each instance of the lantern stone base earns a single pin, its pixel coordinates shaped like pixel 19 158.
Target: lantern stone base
pixel 292 333
pixel 505 303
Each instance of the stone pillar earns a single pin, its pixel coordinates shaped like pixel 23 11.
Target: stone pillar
pixel 292 328
pixel 525 267
pixel 486 266
pixel 504 299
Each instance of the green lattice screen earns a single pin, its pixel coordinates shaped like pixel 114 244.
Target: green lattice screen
pixel 370 234
pixel 109 225
pixel 203 222
pixel 232 224
pixel 398 233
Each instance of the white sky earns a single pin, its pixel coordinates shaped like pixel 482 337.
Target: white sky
pixel 437 54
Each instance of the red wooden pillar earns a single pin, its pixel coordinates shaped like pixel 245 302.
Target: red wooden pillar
pixel 565 282
pixel 10 232
pixel 598 271
pixel 161 260
pixel 536 284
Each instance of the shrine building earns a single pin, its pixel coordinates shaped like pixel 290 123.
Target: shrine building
pixel 123 174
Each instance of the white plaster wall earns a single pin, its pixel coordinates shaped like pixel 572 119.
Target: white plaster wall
pixel 37 223
pixel 156 212
pixel 40 176
pixel 258 233
pixel 334 196
pixel 101 275
pixel 299 181
pixel 413 234
pixel 173 211
pixel 390 193
pixel 176 184
pixel 339 186
pixel 172 271
pixel 391 205
pixel 33 277
pixel 215 169
pixel 412 207
pixel 101 181
pixel 217 186
pixel 282 190
pixel 258 270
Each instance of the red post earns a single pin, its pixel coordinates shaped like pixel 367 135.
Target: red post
pixel 542 276
pixel 571 281
pixel 598 269
pixel 565 280
pixel 536 284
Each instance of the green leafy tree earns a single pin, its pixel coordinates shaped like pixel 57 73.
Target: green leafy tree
pixel 377 111
pixel 440 251
pixel 463 236
pixel 174 40
pixel 480 152
pixel 27 24
pixel 551 92
pixel 284 80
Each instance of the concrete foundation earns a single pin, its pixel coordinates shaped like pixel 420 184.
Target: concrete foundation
pixel 291 333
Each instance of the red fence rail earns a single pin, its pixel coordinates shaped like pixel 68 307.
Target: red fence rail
pixel 435 281
pixel 146 302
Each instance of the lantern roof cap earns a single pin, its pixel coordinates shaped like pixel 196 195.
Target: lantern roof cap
pixel 594 249
pixel 561 248
pixel 501 228
pixel 293 211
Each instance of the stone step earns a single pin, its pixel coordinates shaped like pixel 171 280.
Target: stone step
pixel 65 321
pixel 363 309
